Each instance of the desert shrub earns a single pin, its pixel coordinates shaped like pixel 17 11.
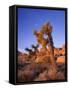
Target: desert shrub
pixel 60 76
pixel 42 76
pixel 22 64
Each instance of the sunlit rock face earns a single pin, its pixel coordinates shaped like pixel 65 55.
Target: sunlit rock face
pixel 61 59
pixel 60 51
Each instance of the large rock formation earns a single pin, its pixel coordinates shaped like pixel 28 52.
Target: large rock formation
pixel 61 59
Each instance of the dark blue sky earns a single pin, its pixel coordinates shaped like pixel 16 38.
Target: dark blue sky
pixel 33 19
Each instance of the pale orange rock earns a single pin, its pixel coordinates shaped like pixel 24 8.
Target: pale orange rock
pixel 62 52
pixel 61 59
pixel 59 51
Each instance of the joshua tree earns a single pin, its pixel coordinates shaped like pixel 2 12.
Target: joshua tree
pixel 47 30
pixel 29 50
pixel 35 47
pixel 32 54
pixel 40 39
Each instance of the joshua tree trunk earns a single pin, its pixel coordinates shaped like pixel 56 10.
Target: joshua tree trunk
pixel 51 46
pixel 47 29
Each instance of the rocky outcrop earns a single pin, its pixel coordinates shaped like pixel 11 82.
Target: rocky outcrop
pixel 61 59
pixel 59 51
